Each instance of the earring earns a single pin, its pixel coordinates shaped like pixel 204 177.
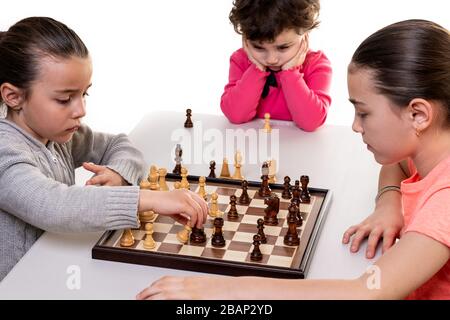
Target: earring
pixel 417 132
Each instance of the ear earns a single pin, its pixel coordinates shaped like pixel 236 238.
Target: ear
pixel 421 113
pixel 12 96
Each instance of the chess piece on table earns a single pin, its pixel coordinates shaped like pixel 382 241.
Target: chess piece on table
pixel 198 236
pixel 214 207
pixel 244 198
pixel 217 239
pixel 267 127
pixel 184 184
pixel 271 212
pixel 212 169
pixel 298 217
pixel 201 191
pixel 264 190
pixel 232 213
pixel 146 216
pixel 304 195
pixel 153 178
pixel 237 165
pixel 188 123
pixel 127 238
pixel 296 193
pixel 260 225
pixel 287 194
pixel 149 242
pixel 272 171
pixel 162 179
pixel 177 185
pixel 256 254
pixel 225 172
pixel 178 159
pixel 291 238
pixel 183 235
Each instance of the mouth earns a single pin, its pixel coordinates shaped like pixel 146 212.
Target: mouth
pixel 73 129
pixel 273 68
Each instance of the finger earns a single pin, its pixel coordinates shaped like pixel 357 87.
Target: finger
pixel 389 238
pixel 148 292
pixel 372 243
pixel 98 180
pixel 360 235
pixel 92 167
pixel 191 212
pixel 203 205
pixel 198 211
pixel 347 234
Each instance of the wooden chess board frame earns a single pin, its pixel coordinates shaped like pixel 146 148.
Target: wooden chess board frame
pixel 104 251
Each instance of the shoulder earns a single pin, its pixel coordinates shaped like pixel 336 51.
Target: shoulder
pixel 240 58
pixel 316 60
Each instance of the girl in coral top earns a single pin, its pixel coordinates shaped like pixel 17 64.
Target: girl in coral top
pixel 399 84
pixel 275 72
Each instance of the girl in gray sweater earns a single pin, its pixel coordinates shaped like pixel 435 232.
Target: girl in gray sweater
pixel 45 72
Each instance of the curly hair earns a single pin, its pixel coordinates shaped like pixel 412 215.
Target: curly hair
pixel 264 20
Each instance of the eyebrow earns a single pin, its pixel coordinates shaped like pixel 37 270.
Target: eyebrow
pixel 71 90
pixel 356 102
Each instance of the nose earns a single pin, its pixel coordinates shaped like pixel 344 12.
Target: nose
pixel 356 126
pixel 79 109
pixel 272 58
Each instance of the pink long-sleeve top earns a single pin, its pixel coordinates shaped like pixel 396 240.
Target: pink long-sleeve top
pixel 301 95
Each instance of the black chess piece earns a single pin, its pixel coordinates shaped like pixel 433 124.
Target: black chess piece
pixel 244 198
pixel 232 213
pixel 271 212
pixel 212 168
pixel 261 233
pixel 298 217
pixel 217 239
pixel 287 194
pixel 188 123
pixel 264 190
pixel 256 254
pixel 291 238
pixel 296 193
pixel 197 236
pixel 305 196
pixel 178 159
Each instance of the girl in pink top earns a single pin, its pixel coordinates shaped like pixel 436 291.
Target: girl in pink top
pixel 399 84
pixel 275 72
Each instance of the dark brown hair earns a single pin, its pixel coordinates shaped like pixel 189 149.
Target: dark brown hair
pixel 264 20
pixel 409 59
pixel 28 41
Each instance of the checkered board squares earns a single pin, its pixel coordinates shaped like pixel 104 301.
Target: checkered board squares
pixel 278 259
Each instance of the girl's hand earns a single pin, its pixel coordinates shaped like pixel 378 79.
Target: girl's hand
pixel 189 288
pixel 103 176
pixel 184 206
pixel 300 57
pixel 385 222
pixel 249 51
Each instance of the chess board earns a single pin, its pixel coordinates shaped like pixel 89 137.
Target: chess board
pixel 279 260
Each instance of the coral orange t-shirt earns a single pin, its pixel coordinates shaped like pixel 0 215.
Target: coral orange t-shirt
pixel 426 209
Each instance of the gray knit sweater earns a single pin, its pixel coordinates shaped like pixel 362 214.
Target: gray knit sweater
pixel 37 191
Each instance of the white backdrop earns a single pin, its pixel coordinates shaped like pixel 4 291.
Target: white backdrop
pixel 170 55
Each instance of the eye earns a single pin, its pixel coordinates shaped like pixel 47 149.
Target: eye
pixel 283 48
pixel 64 101
pixel 362 115
pixel 85 94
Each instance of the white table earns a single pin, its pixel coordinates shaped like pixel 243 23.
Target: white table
pixel 334 157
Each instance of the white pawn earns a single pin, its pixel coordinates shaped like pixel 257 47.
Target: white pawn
pixel 201 191
pixel 214 208
pixel 149 243
pixel 127 238
pixel 162 179
pixel 184 182
pixel 153 178
pixel 183 235
pixel 237 164
pixel 272 171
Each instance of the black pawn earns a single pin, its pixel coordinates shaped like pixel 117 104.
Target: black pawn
pixel 217 239
pixel 287 194
pixel 260 223
pixel 212 168
pixel 291 238
pixel 198 236
pixel 256 254
pixel 244 198
pixel 296 193
pixel 188 123
pixel 264 190
pixel 305 196
pixel 232 213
